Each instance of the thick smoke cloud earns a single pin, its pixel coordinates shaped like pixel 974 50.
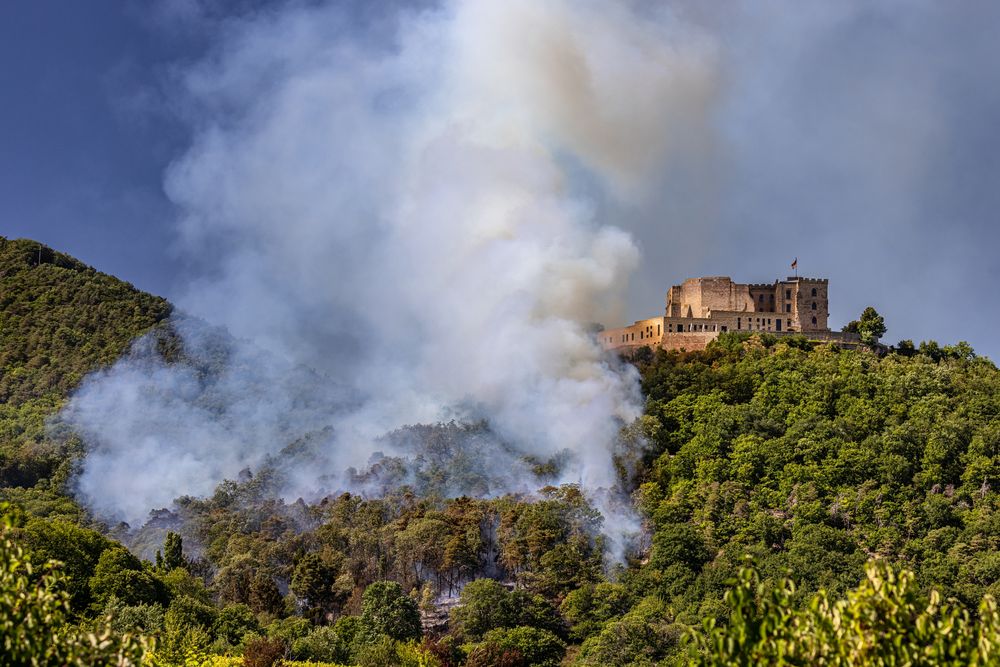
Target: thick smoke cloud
pixel 399 224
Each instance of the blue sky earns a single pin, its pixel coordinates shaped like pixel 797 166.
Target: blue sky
pixel 81 166
pixel 862 140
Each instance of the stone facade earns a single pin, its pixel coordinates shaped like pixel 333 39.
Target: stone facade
pixel 699 309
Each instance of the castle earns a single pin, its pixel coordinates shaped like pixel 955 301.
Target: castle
pixel 699 309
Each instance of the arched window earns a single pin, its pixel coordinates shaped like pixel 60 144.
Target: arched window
pixel 814 320
pixel 814 291
pixel 814 305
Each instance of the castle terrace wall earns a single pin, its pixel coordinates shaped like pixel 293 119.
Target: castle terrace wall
pixel 642 332
pixel 696 340
pixel 699 340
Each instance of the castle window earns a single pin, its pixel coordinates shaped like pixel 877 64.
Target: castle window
pixel 739 323
pixel 814 305
pixel 814 291
pixel 788 307
pixel 814 320
pixel 788 294
pixel 633 335
pixel 658 329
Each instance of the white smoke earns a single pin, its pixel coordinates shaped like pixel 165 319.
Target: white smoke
pixel 408 219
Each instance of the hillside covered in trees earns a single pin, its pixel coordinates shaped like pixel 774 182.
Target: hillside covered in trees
pixel 798 502
pixel 59 320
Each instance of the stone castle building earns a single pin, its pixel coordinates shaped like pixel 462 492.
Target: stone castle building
pixel 699 309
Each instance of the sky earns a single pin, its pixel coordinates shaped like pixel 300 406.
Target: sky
pixel 860 138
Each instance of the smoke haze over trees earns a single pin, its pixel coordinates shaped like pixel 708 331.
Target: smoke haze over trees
pixel 373 427
pixel 401 220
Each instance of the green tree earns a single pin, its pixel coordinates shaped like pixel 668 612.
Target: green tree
pixel 119 574
pixel 387 610
pixel 531 647
pixel 265 596
pixel 78 549
pixel 173 551
pixel 871 326
pixel 485 604
pixel 589 607
pixel 326 643
pixel 35 612
pixel 313 581
pixel 233 623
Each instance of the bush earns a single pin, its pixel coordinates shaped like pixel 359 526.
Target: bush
pixel 324 644
pixel 263 652
pixel 532 647
pixel 234 622
pixel 144 618
pixel 289 629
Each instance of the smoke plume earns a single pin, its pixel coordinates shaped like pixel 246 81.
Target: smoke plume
pixel 405 226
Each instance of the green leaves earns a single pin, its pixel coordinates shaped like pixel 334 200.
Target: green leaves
pixel 387 610
pixel 884 621
pixel 35 613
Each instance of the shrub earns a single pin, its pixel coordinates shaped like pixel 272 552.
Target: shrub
pixel 263 652
pixel 534 647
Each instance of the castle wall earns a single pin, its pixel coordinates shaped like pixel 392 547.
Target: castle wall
pixel 643 332
pixel 699 309
pixel 762 296
pixel 698 297
pixel 689 341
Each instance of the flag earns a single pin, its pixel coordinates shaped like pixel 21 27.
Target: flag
pixel 795 263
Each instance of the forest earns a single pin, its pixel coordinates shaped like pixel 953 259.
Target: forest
pixel 799 504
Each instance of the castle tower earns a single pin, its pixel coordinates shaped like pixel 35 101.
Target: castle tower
pixel 804 303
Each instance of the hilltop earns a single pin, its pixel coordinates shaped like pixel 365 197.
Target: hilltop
pixel 59 320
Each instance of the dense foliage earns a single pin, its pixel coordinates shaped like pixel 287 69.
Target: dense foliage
pixel 36 625
pixel 884 621
pixel 59 320
pixel 868 477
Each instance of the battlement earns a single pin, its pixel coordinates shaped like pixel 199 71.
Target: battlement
pixel 803 279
